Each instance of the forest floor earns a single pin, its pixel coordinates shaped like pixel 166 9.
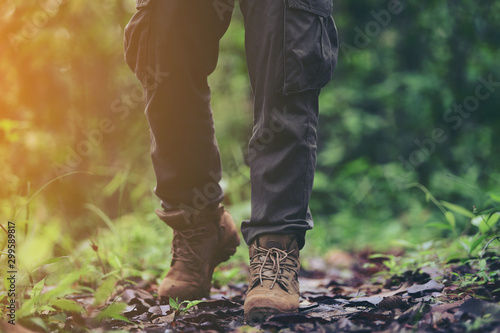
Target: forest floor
pixel 343 293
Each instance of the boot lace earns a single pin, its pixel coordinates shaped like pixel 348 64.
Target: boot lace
pixel 273 263
pixel 183 243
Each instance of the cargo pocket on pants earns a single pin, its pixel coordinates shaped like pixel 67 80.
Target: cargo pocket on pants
pixel 137 33
pixel 310 46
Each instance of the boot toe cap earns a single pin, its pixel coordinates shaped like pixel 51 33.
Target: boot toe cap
pixel 262 305
pixel 181 290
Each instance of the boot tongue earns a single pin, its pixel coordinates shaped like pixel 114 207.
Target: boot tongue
pixel 281 242
pixel 287 242
pixel 273 243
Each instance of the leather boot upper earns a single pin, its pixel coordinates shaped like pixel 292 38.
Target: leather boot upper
pixel 274 269
pixel 198 246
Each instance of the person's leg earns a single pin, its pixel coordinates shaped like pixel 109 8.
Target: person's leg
pixel 172 46
pixel 291 51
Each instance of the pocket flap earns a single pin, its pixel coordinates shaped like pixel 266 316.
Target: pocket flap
pixel 141 3
pixel 320 7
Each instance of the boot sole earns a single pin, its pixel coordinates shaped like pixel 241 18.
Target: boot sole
pixel 260 314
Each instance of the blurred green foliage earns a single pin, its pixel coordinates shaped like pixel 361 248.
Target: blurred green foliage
pixel 69 103
pixel 406 156
pixel 390 96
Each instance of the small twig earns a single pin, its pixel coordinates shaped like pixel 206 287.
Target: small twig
pixel 96 250
pixel 27 210
pixel 1 225
pixel 28 204
pixel 486 221
pixel 488 244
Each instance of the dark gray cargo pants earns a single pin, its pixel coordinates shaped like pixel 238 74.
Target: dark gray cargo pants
pixel 291 46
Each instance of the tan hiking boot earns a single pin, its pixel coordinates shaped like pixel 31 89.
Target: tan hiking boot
pixel 274 270
pixel 210 238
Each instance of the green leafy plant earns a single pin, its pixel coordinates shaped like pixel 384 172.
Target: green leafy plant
pixel 115 311
pixel 52 300
pixel 184 306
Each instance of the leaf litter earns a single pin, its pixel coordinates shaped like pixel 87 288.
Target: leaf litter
pixel 333 299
